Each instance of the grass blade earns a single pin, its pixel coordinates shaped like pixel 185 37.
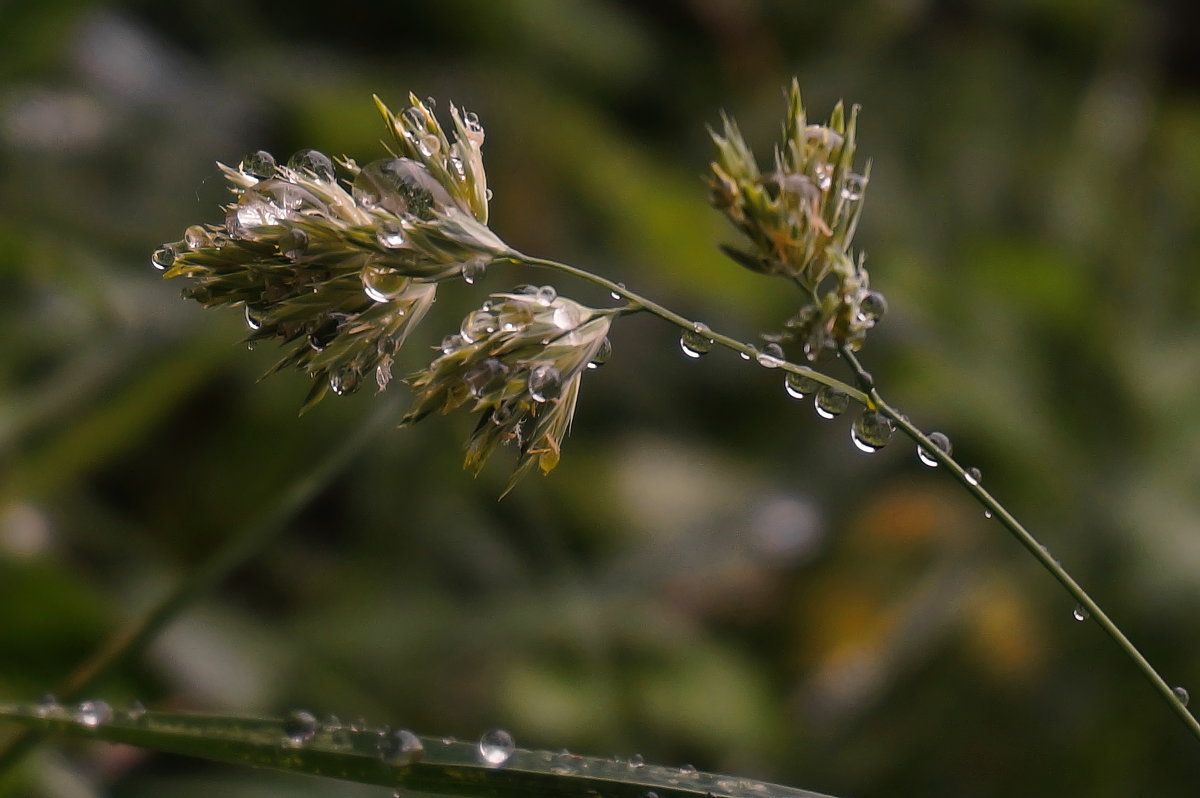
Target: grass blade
pixel 368 755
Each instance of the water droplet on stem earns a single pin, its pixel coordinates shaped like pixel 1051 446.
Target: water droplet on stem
pixel 496 747
pixel 871 431
pixel 1080 613
pixel 696 341
pixel 831 402
pixel 800 385
pixel 1181 694
pixel 299 727
pixel 93 713
pixel 939 440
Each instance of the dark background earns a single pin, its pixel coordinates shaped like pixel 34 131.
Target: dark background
pixel 713 575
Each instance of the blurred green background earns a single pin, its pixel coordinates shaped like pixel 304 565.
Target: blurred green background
pixel 713 575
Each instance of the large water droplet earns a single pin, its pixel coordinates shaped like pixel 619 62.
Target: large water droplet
pixel 400 747
pixel 259 164
pixel 1080 613
pixel 299 727
pixel 545 383
pixel 496 747
pixel 400 185
pixel 163 257
pixel 546 295
pixel 831 402
pixel 345 380
pixel 1181 695
pixel 473 269
pixel 941 441
pixel 602 355
pixel 696 341
pixel 800 385
pixel 382 284
pixel 313 163
pixel 771 356
pixel 871 431
pixel 93 713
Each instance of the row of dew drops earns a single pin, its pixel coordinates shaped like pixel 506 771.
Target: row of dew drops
pixel 870 432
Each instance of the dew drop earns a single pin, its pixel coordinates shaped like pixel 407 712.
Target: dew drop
pixel 46 706
pixel 973 476
pixel 299 727
pixel 602 355
pixel 771 356
pixel 486 376
pixel 746 355
pixel 477 325
pixel 987 513
pixel 696 341
pixel 495 748
pixel 383 373
pixel 941 441
pixel 824 174
pixel 93 713
pixel 135 710
pixel 871 431
pixel 546 295
pixel 400 185
pixel 545 383
pixel 614 294
pixel 253 321
pixel 831 402
pixel 452 343
pixel 390 235
pixel 293 243
pixel 800 385
pixel 854 187
pixel 473 269
pixel 1181 695
pixel 400 747
pixel 872 307
pixel 163 257
pixel 196 237
pixel 1080 613
pixel 637 761
pixel 345 380
pixel 259 164
pixel 382 284
pixel 313 163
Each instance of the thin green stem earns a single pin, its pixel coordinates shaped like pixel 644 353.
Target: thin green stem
pixel 1026 539
pixel 236 550
pixel 666 314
